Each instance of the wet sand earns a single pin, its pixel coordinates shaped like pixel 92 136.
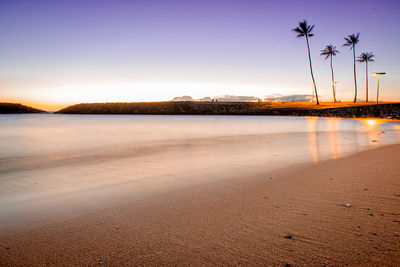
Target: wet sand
pixel 335 212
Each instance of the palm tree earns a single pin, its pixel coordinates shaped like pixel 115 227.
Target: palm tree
pixel 366 57
pixel 352 40
pixel 329 52
pixel 304 30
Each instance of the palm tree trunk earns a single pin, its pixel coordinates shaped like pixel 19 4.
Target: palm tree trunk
pixel 355 76
pixel 366 81
pixel 312 74
pixel 333 84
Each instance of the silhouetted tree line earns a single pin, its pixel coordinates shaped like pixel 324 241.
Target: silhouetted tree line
pixel 305 30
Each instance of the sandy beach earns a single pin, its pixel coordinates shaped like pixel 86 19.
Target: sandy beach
pixel 335 212
pixel 199 133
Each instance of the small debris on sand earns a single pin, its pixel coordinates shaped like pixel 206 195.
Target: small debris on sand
pixel 4 246
pixel 347 205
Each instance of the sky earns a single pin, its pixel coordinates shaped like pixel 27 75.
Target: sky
pixel 57 53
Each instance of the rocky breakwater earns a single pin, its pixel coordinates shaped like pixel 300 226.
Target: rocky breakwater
pixel 387 110
pixel 383 111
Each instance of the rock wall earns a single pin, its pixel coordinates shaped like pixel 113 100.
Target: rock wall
pixel 391 111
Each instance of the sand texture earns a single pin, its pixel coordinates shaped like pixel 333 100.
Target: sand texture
pixel 337 212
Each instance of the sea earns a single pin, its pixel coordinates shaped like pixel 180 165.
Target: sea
pixel 54 166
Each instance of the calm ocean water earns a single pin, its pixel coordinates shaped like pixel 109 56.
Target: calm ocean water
pixel 59 165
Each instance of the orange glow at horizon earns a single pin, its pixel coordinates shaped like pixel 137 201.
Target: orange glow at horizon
pixel 65 94
pixel 46 106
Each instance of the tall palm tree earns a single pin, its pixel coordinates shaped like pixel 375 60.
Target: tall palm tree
pixel 304 30
pixel 329 52
pixel 352 40
pixel 366 57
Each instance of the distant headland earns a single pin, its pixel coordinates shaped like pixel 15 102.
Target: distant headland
pixel 12 108
pixel 344 110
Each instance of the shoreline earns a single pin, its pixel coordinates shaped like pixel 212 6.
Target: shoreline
pixel 311 214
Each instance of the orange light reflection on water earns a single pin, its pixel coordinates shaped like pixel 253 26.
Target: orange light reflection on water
pixel 371 128
pixel 334 134
pixel 371 123
pixel 397 128
pixel 313 139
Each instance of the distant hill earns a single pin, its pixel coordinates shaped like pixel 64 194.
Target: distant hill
pixel 11 108
pixel 345 110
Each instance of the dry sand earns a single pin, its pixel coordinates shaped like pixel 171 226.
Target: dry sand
pixel 337 212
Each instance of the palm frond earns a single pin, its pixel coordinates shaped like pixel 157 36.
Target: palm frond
pixel 299 32
pixel 351 40
pixel 304 29
pixel 329 50
pixel 347 42
pixel 366 57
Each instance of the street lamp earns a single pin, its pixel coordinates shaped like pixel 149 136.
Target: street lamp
pixel 334 91
pixel 377 88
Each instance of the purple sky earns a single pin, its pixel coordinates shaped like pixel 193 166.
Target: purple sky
pixel 63 52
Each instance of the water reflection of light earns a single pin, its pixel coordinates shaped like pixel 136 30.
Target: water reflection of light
pixel 371 128
pixel 311 128
pixel 371 123
pixel 332 128
pixel 397 128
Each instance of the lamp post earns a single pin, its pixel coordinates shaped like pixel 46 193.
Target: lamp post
pixel 334 91
pixel 377 88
